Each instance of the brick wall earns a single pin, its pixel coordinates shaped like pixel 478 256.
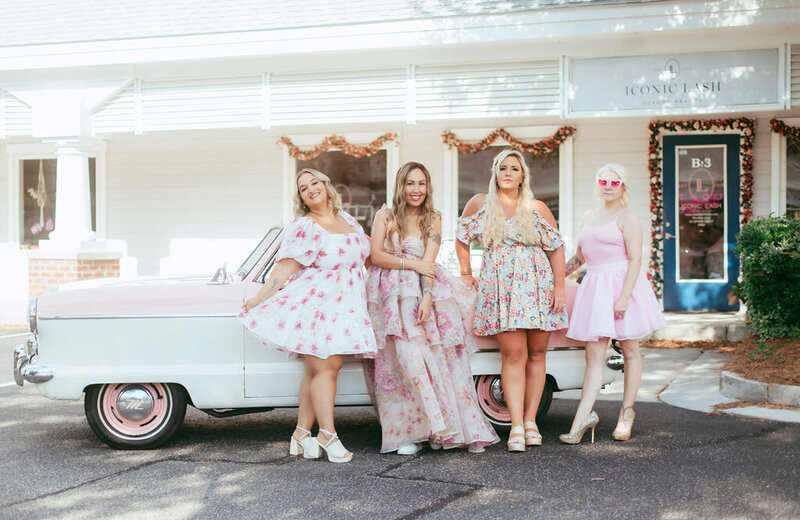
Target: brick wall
pixel 45 274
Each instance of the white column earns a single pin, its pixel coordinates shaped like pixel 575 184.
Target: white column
pixel 73 199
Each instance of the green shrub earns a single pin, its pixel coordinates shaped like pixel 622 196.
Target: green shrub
pixel 769 250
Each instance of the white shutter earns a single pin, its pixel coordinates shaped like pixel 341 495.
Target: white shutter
pixel 17 117
pixel 117 115
pixel 795 74
pixel 196 104
pixel 375 95
pixel 488 90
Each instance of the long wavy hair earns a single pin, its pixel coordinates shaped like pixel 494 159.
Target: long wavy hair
pixel 398 223
pixel 494 228
pixel 334 199
pixel 622 172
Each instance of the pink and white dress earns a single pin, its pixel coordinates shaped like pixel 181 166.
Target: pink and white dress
pixel 592 318
pixel 322 310
pixel 421 379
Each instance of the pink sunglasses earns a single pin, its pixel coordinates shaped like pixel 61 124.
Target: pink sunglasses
pixel 604 182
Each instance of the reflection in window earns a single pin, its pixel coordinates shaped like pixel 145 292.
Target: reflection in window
pixel 475 170
pixel 38 200
pixel 793 178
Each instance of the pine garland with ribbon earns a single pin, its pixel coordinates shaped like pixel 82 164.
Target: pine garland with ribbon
pixel 543 147
pixel 789 132
pixel 746 129
pixel 337 143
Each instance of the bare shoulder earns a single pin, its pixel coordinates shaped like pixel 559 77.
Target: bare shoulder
pixel 629 218
pixel 474 204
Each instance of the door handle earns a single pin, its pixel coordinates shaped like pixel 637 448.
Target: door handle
pixel 668 236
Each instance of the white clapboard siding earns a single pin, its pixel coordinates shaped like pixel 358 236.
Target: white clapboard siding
pixel 202 103
pixel 374 95
pixel 17 117
pixel 487 90
pixel 795 75
pixel 117 115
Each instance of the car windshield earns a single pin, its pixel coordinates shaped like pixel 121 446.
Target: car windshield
pixel 258 252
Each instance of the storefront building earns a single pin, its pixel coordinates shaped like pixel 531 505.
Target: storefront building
pixel 165 141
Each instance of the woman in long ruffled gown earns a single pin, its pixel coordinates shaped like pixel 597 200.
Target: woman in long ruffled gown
pixel 421 314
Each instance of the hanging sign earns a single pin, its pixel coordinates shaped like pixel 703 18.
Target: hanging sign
pixel 682 83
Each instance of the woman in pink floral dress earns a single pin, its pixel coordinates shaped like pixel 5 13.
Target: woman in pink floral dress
pixel 422 381
pixel 521 296
pixel 321 313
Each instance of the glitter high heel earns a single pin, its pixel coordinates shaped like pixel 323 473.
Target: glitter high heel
pixel 576 436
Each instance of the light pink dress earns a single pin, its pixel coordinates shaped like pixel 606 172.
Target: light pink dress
pixel 322 310
pixel 421 379
pixel 592 318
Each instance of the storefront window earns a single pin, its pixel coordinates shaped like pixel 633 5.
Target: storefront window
pixel 361 181
pixel 475 170
pixel 38 200
pixel 793 178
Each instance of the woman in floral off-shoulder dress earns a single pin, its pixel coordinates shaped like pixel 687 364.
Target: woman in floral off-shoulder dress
pixel 321 313
pixel 521 296
pixel 421 314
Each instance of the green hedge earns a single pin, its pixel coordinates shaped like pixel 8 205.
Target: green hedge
pixel 769 251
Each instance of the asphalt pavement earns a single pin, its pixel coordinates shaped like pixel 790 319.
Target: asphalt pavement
pixel 681 463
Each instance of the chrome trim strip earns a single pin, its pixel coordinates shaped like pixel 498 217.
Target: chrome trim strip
pixel 130 316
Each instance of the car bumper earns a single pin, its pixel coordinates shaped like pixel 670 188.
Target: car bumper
pixel 24 370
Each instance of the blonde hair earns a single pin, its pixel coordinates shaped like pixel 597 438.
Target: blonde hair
pixel 334 199
pixel 494 229
pixel 622 173
pixel 397 224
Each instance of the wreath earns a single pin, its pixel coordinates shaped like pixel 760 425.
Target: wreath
pixel 746 129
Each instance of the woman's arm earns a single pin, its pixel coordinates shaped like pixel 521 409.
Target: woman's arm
pixel 462 249
pixel 282 271
pixel 632 234
pixel 578 259
pixel 557 260
pixel 382 258
pixel 426 282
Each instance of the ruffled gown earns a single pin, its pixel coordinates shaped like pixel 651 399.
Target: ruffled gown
pixel 322 310
pixel 606 255
pixel 421 379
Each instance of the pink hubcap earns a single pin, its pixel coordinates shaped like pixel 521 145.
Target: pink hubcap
pixel 490 398
pixel 134 410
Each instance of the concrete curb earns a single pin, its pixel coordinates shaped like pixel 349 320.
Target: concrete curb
pixel 736 387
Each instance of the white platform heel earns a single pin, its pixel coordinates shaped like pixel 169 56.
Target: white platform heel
pixel 307 446
pixel 334 447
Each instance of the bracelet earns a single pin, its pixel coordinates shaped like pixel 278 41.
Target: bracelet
pixel 427 290
pixel 402 264
pixel 466 271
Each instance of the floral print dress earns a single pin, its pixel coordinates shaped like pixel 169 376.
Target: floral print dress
pixel 322 310
pixel 516 283
pixel 421 380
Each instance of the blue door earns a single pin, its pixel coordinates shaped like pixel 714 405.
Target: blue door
pixel 701 220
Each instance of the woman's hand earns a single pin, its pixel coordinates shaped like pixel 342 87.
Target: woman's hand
pixel 424 308
pixel 252 302
pixel 559 302
pixel 620 307
pixel 469 281
pixel 422 266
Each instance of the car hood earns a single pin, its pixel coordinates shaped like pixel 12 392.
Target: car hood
pixel 142 297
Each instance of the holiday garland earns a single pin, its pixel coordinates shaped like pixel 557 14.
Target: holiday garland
pixel 543 147
pixel 745 127
pixel 789 132
pixel 338 143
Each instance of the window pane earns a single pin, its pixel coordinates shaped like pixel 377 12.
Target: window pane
pixel 361 181
pixel 793 178
pixel 475 170
pixel 38 199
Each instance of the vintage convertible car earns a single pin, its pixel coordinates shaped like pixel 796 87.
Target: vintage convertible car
pixel 142 350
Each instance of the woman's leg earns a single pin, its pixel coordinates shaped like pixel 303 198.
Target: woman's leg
pixel 592 381
pixel 633 371
pixel 535 371
pixel 514 352
pixel 323 392
pixel 305 409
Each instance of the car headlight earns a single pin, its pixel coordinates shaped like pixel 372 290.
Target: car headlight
pixel 32 325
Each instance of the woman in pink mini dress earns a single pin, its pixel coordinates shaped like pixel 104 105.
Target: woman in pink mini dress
pixel 614 299
pixel 422 381
pixel 321 313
